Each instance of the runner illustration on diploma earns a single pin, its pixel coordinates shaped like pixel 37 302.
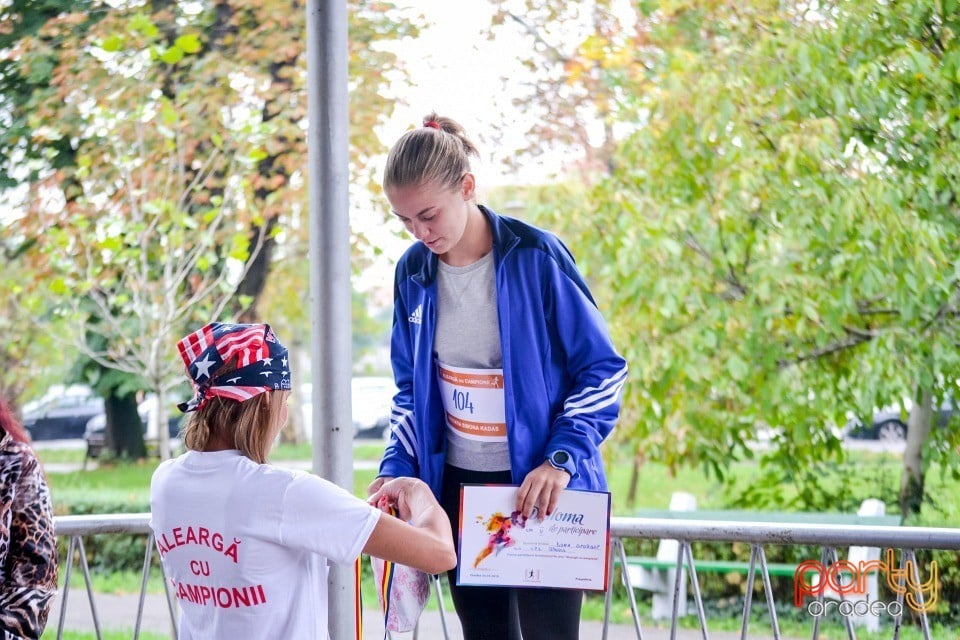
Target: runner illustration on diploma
pixel 498 526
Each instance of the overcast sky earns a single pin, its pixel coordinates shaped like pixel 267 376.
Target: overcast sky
pixel 455 70
pixel 458 72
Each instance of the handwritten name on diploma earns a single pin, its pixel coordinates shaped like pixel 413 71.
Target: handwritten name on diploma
pixel 567 549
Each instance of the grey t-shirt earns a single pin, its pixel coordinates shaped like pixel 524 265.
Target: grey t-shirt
pixel 468 335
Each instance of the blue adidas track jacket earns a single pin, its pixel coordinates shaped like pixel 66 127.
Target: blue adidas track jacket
pixel 562 375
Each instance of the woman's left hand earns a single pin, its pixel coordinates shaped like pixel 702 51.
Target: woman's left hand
pixel 541 488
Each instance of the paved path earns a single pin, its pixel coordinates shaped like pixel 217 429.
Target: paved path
pixel 120 612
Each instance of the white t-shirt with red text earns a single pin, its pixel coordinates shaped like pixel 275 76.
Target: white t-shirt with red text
pixel 245 546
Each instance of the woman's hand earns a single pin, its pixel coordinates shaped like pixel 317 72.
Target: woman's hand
pixel 376 484
pixel 541 488
pixel 420 537
pixel 411 497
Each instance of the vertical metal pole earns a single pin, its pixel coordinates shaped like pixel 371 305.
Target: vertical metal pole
pixel 331 357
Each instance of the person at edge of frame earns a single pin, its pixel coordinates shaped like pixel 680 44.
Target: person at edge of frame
pixel 28 540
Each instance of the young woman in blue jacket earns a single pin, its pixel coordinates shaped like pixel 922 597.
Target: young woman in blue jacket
pixel 505 369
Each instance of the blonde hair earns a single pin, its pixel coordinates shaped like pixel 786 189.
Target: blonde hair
pixel 247 426
pixel 436 153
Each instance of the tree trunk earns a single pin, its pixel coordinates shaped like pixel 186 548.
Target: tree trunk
pixel 918 430
pixel 251 287
pixel 295 431
pixel 162 428
pixel 124 429
pixel 634 481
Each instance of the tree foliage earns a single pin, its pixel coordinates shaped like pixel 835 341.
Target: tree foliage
pixel 780 237
pixel 585 62
pixel 162 148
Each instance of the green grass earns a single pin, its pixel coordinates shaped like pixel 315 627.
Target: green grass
pixel 120 483
pixel 113 634
pixel 284 451
pixel 362 450
pixel 760 627
pixel 870 474
pixel 129 482
pixel 115 582
pixel 867 474
pixel 61 455
pixel 368 449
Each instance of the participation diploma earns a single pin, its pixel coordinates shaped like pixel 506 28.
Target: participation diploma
pixel 567 549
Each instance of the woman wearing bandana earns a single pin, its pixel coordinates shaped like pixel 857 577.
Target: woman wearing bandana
pixel 245 545
pixel 505 369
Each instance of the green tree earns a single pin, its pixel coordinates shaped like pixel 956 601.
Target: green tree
pixel 30 354
pixel 780 237
pixel 584 61
pixel 164 150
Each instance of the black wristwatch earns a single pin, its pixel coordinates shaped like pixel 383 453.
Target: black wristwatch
pixel 560 459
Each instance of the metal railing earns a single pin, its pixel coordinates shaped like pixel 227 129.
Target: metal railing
pixel 75 528
pixel 827 537
pixel 758 535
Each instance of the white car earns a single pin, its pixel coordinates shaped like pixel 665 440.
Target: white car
pixel 371 399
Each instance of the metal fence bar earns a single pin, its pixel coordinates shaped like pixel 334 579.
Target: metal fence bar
pixel 615 550
pixel 758 533
pixel 828 537
pixel 102 523
pixel 768 591
pixel 66 590
pixel 635 614
pixel 144 576
pixel 75 527
pixel 677 580
pixel 86 578
pixel 438 589
pixel 76 546
pixel 898 618
pixel 748 595
pixel 787 534
pixel 828 555
pixel 443 613
pixel 924 623
pixel 834 558
pixel 171 604
pixel 824 559
pixel 697 597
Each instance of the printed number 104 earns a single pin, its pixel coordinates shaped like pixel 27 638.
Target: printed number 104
pixel 461 400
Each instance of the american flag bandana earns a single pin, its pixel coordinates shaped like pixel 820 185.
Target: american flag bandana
pixel 262 363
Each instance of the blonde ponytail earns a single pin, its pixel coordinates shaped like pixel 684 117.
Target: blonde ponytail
pixel 436 153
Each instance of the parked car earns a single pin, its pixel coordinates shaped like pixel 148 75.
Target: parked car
pixel 371 399
pixel 95 433
pixel 62 413
pixel 890 425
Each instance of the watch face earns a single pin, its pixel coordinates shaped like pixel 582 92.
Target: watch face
pixel 560 457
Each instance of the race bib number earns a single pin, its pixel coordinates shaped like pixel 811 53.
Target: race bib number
pixel 473 402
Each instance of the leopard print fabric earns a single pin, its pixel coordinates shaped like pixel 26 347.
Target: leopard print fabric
pixel 28 544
